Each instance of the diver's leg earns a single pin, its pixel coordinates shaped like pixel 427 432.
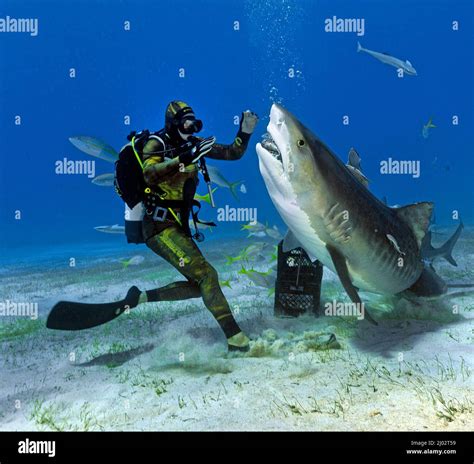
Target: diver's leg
pixel 182 290
pixel 181 252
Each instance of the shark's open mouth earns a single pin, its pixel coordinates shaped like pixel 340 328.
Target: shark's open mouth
pixel 269 144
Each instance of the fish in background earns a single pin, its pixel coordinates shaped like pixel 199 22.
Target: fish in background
pixel 104 180
pixel 133 261
pixel 257 229
pixel 206 198
pixel 115 229
pixel 273 233
pixel 260 279
pixel 253 252
pixel 406 66
pixel 218 179
pixel 225 283
pixel 425 132
pixel 95 147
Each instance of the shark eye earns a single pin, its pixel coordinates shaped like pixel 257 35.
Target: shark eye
pixel 300 143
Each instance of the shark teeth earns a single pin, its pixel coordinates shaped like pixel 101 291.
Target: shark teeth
pixel 270 146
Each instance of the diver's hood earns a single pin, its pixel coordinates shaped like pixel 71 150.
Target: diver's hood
pixel 180 119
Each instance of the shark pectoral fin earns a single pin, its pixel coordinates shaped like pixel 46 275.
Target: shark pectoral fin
pixel 417 216
pixel 290 242
pixel 428 285
pixel 343 273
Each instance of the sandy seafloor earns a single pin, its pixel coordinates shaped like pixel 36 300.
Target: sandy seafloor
pixel 164 366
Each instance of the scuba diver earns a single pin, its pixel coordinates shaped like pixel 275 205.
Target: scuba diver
pixel 170 160
pixel 156 175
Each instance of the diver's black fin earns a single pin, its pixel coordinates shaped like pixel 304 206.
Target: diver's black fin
pixel 449 245
pixel 68 315
pixel 343 273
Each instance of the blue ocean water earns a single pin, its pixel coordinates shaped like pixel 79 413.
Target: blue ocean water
pixel 228 69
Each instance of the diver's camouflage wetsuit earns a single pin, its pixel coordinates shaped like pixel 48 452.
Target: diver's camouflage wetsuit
pixel 173 242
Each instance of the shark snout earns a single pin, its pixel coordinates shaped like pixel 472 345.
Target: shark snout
pixel 278 114
pixel 278 128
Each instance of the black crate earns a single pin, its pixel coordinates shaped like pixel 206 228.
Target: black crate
pixel 298 284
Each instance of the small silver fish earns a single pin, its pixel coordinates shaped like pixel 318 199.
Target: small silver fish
pixel 104 180
pixel 115 229
pixel 94 147
pixel 426 128
pixel 219 179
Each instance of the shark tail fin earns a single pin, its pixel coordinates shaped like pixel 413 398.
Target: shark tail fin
pixel 430 124
pixel 359 47
pixel 417 216
pixel 233 189
pixel 447 248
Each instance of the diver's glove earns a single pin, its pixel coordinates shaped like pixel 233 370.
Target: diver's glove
pixel 203 147
pixel 248 122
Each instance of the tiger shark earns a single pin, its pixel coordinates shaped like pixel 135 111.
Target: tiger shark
pixel 332 215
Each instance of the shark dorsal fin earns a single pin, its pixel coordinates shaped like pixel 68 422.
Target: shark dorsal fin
pixel 417 216
pixel 353 164
pixel 408 63
pixel 354 159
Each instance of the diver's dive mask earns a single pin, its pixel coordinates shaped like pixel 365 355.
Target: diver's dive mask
pixel 190 125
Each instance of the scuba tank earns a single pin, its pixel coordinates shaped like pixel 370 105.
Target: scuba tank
pixel 130 185
pixel 133 223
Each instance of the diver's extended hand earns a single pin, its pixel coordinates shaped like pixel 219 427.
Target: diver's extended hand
pixel 249 121
pixel 202 148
